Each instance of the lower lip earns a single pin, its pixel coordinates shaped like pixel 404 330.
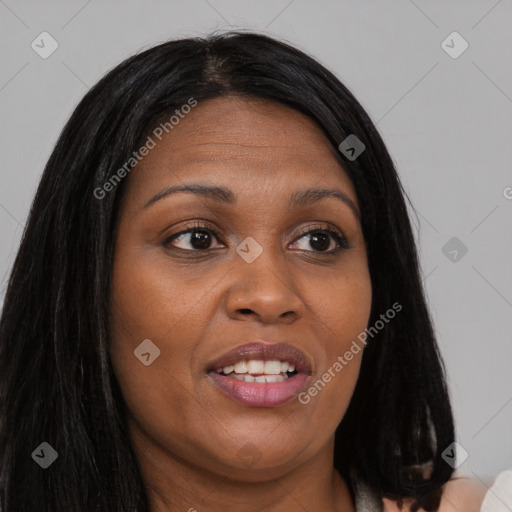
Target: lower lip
pixel 264 394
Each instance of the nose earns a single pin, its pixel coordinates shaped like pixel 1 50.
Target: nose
pixel 264 290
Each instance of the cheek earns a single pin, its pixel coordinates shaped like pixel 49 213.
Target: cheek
pixel 149 304
pixel 343 309
pixel 343 304
pixel 142 295
pixel 152 300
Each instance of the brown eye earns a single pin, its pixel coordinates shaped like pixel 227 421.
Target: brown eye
pixel 321 239
pixel 198 237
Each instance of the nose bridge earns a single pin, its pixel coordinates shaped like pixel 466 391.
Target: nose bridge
pixel 263 282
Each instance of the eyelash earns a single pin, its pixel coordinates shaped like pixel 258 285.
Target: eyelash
pixel 209 228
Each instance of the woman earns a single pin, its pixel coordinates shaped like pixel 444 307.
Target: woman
pixel 217 303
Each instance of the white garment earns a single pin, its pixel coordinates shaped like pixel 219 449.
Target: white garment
pixel 499 497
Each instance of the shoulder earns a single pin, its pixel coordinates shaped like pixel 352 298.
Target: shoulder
pixel 460 494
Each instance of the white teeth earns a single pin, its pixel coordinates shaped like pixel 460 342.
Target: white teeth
pixel 275 378
pixel 260 378
pixel 246 378
pixel 240 367
pixel 255 366
pixel 272 367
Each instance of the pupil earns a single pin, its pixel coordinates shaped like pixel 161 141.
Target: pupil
pixel 324 245
pixel 200 240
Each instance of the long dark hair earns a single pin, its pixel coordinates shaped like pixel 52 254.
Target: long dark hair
pixel 57 382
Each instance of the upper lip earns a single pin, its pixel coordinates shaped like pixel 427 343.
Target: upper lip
pixel 264 351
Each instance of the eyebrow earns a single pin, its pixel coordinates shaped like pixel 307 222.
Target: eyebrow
pixel 299 199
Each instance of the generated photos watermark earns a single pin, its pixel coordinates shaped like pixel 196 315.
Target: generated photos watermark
pixel 137 156
pixel 355 348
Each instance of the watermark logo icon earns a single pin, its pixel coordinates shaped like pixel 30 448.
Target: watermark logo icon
pixel 44 455
pixel 455 455
pixel 454 249
pixel 351 147
pixel 454 45
pixel 44 45
pixel 249 454
pixel 147 352
pixel 249 249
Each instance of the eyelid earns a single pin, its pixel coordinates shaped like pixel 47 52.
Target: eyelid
pixel 196 225
pixel 322 226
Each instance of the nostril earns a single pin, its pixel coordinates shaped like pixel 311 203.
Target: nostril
pixel 246 311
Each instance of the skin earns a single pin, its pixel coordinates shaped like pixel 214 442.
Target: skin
pixel 196 304
pixel 461 494
pixel 186 433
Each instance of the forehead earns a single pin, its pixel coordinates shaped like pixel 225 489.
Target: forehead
pixel 250 144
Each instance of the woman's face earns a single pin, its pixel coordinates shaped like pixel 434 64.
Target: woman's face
pixel 198 296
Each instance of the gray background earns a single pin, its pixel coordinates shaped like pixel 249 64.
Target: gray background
pixel 447 123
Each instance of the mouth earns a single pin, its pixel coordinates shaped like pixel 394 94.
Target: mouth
pixel 261 374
